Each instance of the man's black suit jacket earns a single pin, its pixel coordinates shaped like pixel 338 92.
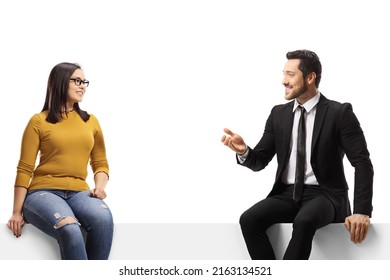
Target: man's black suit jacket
pixel 336 132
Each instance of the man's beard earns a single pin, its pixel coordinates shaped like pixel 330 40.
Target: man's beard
pixel 298 92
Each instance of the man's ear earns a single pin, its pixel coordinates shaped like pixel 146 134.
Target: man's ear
pixel 311 78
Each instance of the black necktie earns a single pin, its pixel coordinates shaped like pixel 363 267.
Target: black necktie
pixel 301 157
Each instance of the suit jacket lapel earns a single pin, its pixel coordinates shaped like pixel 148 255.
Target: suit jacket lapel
pixel 322 108
pixel 288 120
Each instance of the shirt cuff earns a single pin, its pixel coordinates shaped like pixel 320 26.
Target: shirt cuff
pixel 242 157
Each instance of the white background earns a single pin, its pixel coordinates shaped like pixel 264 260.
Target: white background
pixel 168 76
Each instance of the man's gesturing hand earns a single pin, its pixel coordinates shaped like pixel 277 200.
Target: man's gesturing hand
pixel 234 141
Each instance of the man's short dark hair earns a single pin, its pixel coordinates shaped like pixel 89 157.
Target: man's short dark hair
pixel 309 62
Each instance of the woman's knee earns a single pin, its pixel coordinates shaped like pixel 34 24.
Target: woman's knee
pixel 104 215
pixel 101 220
pixel 91 210
pixel 68 228
pixel 66 221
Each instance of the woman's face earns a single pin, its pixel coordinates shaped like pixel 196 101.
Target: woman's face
pixel 77 87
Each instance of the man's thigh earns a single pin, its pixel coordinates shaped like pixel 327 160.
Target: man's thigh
pixel 272 210
pixel 316 209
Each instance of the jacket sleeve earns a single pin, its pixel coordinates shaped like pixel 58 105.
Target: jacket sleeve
pixel 259 157
pixel 354 144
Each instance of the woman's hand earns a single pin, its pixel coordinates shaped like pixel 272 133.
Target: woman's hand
pixel 15 224
pixel 100 179
pixel 99 193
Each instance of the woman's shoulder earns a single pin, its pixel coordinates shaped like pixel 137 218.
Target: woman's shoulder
pixel 38 117
pixel 93 117
pixel 93 120
pixel 42 114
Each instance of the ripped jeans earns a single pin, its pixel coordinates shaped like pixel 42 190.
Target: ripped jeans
pixel 60 214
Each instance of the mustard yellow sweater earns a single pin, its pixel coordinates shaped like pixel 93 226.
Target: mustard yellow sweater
pixel 65 148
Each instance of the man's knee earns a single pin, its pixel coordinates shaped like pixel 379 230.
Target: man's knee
pixel 305 224
pixel 250 221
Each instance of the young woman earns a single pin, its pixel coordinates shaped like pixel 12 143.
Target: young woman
pixel 54 196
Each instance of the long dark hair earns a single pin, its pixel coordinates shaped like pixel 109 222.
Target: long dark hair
pixel 309 62
pixel 57 92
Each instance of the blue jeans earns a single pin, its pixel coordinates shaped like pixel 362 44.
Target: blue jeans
pixel 46 208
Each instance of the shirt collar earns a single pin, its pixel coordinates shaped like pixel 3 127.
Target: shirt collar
pixel 310 104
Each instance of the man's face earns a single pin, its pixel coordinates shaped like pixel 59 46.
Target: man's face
pixel 295 84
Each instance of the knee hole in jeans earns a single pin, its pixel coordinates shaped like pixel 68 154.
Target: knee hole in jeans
pixel 66 221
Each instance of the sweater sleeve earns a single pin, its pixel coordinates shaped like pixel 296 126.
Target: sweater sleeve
pixel 29 151
pixel 98 161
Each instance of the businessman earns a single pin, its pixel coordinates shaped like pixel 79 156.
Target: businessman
pixel 309 136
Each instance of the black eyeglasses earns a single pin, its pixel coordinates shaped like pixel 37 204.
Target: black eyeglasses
pixel 79 81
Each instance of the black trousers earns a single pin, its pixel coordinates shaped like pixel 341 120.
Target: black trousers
pixel 313 212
